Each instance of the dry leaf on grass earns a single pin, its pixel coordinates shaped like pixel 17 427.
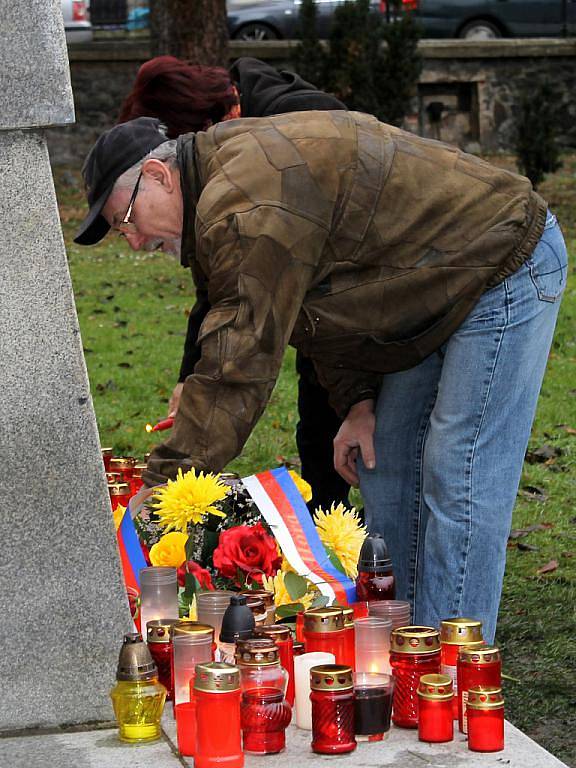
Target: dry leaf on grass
pixel 548 568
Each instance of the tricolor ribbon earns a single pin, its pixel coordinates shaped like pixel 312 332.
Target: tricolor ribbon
pixel 281 505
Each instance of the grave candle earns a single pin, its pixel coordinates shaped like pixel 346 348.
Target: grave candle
pixel 455 634
pixel 414 651
pixel 218 735
pixel 332 697
pixel 372 705
pixel 485 712
pixel 435 720
pixel 476 667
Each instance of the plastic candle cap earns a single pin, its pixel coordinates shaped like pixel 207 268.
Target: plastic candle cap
pixel 238 621
pixel 374 554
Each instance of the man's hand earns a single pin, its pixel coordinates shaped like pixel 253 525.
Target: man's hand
pixel 356 433
pixel 175 400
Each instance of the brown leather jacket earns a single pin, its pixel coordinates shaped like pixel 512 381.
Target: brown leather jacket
pixel 358 243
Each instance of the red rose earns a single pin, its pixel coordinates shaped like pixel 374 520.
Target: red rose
pixel 248 548
pixel 203 576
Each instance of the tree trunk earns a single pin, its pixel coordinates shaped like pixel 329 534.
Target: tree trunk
pixel 195 30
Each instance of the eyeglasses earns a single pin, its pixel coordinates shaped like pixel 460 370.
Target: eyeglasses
pixel 126 225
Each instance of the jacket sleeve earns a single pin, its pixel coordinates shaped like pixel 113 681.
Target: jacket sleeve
pixel 258 266
pixel 347 387
pixel 191 347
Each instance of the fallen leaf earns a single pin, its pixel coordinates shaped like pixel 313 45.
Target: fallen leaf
pixel 543 454
pixel 533 493
pixel 526 547
pixel 548 568
pixel 568 430
pixel 567 554
pixel 124 365
pixel 518 533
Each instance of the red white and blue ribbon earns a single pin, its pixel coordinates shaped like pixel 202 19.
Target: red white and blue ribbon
pixel 131 555
pixel 279 500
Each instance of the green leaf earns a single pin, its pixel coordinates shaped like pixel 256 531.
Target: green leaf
pixel 297 586
pixel 291 609
pixel 191 586
pixel 320 602
pixel 335 560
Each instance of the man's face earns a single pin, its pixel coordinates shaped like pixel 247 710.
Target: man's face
pixel 155 210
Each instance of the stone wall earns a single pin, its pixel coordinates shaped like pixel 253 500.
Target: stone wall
pixel 476 82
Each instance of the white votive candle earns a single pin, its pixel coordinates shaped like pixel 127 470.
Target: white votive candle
pixel 302 666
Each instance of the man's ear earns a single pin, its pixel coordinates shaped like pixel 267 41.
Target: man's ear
pixel 159 172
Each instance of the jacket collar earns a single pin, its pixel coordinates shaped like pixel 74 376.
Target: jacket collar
pixel 190 183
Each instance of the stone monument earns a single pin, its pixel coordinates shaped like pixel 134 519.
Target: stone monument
pixel 63 607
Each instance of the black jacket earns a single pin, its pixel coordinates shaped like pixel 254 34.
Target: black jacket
pixel 263 92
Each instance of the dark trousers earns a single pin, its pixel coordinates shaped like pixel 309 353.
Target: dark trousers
pixel 315 433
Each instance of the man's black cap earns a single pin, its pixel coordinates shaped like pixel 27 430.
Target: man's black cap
pixel 115 152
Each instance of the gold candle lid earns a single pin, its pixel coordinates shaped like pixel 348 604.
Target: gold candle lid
pixel 107 451
pixel 119 489
pixel 257 652
pixel 348 614
pixel 216 677
pixel 486 654
pixel 485 698
pixel 135 662
pixel 460 631
pixel 122 462
pixel 183 627
pixel 263 594
pixel 256 605
pixel 138 469
pixel 435 687
pixel 415 640
pixel 158 630
pixel 331 677
pixel 323 620
pixel 112 478
pixel 276 631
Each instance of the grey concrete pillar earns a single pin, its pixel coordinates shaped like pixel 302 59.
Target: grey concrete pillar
pixel 62 603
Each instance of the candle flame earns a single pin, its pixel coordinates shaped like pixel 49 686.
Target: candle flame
pixel 149 428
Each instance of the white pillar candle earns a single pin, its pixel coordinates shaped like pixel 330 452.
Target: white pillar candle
pixel 302 666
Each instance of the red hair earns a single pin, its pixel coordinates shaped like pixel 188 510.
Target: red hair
pixel 185 97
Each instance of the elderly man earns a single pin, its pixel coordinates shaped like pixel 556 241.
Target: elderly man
pixel 423 283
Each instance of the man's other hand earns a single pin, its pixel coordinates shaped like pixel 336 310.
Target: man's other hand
pixel 355 434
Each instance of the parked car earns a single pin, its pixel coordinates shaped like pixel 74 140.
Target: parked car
pixel 76 21
pixel 490 19
pixel 275 19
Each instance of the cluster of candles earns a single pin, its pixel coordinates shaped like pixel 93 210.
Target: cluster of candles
pixel 349 673
pixel 124 477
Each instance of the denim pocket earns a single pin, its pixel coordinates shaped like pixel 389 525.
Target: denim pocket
pixel 548 265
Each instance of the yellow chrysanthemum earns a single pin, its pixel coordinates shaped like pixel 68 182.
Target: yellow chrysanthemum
pixel 286 567
pixel 341 530
pixel 170 550
pixel 304 487
pixel 188 499
pixel 281 595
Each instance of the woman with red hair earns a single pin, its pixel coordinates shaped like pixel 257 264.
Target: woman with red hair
pixel 189 98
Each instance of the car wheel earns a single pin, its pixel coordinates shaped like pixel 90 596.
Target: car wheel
pixel 256 32
pixel 480 29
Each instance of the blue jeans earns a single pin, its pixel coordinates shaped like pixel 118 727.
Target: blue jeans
pixel 451 434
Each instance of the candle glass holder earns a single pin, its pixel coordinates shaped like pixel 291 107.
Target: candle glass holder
pixel 372 705
pixel 211 606
pixel 282 636
pixel 119 494
pixel 414 651
pixel 159 641
pixel 324 632
pixel 372 642
pixel 192 644
pixel 435 720
pixel 397 611
pixel 485 713
pixel 218 734
pixel 332 697
pixel 158 594
pixel 375 580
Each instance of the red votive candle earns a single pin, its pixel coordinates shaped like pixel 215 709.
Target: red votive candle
pixel 332 697
pixel 414 651
pixel 136 481
pixel 124 465
pixel 300 627
pixel 159 639
pixel 435 720
pixel 299 648
pixel 107 454
pixel 485 713
pixel 218 736
pixel 185 714
pixel 455 634
pixel 372 705
pixel 349 635
pixel 476 667
pixel 375 580
pixel 264 713
pixel 324 632
pixel 119 494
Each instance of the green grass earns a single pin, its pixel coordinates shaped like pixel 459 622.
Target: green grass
pixel 132 310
